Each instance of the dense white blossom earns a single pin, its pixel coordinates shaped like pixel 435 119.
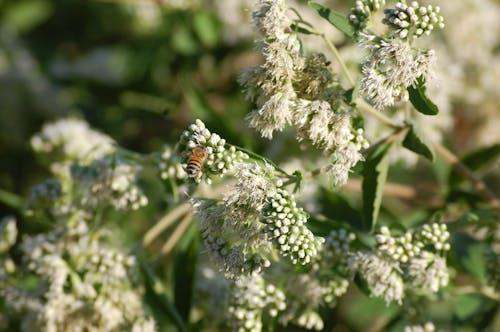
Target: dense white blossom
pixel 414 20
pixel 84 284
pixel 390 68
pixel 428 272
pixel 249 299
pixel 271 84
pixel 109 180
pixel 361 12
pixel 383 275
pixel 285 226
pixel 68 140
pixel 219 158
pixel 333 132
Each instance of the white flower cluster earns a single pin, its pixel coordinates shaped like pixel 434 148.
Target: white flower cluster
pixel 110 180
pixel 310 320
pixel 390 68
pixel 414 20
pixel 427 327
pixel 292 89
pixel 401 249
pixel 84 285
pixel 218 160
pixel 285 226
pixel 274 78
pixel 68 140
pixel 414 260
pixel 233 255
pixel 231 230
pixel 428 272
pixel 333 132
pixel 170 164
pixel 382 275
pixel 436 235
pixel 336 250
pixel 361 12
pixel 254 221
pixel 249 298
pixel 493 269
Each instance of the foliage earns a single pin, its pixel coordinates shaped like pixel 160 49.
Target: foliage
pixel 138 195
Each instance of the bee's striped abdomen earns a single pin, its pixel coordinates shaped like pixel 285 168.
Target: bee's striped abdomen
pixel 195 162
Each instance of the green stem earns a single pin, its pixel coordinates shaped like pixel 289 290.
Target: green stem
pixel 339 59
pixel 363 105
pixel 259 157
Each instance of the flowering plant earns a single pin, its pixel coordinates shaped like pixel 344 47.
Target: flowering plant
pixel 263 242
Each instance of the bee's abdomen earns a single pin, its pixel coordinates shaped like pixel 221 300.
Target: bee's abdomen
pixel 193 168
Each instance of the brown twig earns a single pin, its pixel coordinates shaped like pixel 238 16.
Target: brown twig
pixel 165 222
pixel 463 170
pixel 177 234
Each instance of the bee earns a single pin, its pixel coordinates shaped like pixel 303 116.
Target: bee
pixel 195 162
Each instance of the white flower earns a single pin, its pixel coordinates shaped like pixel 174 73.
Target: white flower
pixel 391 67
pixel 428 272
pixel 82 283
pixel 70 140
pixel 413 20
pixel 249 298
pixel 383 275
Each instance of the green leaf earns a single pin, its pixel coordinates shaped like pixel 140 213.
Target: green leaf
pixel 476 160
pixel 157 297
pixel 336 207
pixel 417 142
pixel 419 99
pixel 11 200
pixel 337 19
pixel 467 305
pixel 469 254
pixel 375 171
pixel 185 267
pixel 301 30
pixel 206 27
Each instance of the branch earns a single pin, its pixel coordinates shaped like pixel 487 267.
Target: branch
pixel 165 222
pixel 477 183
pixel 177 234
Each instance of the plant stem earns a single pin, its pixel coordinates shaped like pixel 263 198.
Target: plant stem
pixel 177 234
pixel 339 59
pixel 462 169
pixel 165 222
pixel 363 105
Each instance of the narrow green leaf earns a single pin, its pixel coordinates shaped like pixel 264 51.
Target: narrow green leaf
pixel 375 171
pixel 419 99
pixel 185 267
pixel 337 19
pixel 157 297
pixel 336 207
pixel 11 200
pixel 301 30
pixel 475 160
pixel 417 142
